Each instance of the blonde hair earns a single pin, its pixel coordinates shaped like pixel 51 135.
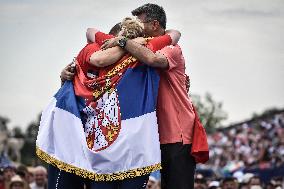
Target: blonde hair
pixel 131 27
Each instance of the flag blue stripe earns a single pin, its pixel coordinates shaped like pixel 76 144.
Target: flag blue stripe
pixel 66 99
pixel 137 91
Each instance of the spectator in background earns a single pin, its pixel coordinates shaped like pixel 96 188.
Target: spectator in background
pixel 31 174
pixel 157 185
pixel 40 178
pixel 151 182
pixel 230 183
pixel 255 181
pixel 243 185
pixel 214 184
pixel 22 171
pixel 1 180
pixel 200 183
pixel 256 144
pixel 17 183
pixel 270 186
pixel 8 173
pixel 277 182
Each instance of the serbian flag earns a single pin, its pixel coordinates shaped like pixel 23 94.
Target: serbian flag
pixel 112 135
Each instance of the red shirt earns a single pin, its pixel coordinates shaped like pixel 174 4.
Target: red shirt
pixel 83 58
pixel 85 71
pixel 174 108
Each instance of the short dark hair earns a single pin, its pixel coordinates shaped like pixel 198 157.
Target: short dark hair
pixel 153 12
pixel 229 179
pixel 115 29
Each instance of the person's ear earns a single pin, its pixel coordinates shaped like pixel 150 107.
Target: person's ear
pixel 155 25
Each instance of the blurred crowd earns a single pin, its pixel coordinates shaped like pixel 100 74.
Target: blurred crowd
pixel 36 178
pixel 23 177
pixel 250 181
pixel 239 155
pixel 257 144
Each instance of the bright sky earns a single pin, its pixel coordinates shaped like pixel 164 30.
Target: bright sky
pixel 233 49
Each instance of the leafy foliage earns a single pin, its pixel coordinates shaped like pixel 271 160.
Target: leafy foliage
pixel 210 112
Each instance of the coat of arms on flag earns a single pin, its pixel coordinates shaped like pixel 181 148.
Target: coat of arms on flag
pixel 102 121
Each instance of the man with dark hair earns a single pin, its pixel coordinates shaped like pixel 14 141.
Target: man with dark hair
pixel 8 172
pixel 255 181
pixel 229 183
pixel 152 12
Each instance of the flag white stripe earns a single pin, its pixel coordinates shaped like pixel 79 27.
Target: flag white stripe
pixel 61 135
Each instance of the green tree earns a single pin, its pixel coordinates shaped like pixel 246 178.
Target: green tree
pixel 210 112
pixel 3 123
pixel 28 151
pixel 17 132
pixel 266 112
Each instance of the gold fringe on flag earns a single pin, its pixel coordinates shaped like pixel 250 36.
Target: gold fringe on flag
pixel 94 176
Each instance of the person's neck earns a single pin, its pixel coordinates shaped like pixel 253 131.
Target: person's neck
pixel 158 32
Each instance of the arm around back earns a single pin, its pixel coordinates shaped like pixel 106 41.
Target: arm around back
pixel 145 55
pixel 103 58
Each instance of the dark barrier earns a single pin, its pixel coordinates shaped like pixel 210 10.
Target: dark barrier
pixel 266 174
